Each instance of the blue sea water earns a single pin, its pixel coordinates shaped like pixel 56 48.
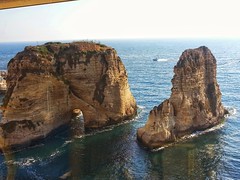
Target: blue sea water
pixel 115 153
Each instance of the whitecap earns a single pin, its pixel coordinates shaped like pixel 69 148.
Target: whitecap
pixel 232 111
pixel 163 147
pixel 55 153
pixel 141 107
pixel 66 143
pixel 28 162
pixel 190 136
pixel 22 162
pixel 78 136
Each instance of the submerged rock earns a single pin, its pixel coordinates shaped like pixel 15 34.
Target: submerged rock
pixel 194 104
pixel 46 83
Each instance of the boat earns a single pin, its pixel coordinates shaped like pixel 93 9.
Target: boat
pixel 160 59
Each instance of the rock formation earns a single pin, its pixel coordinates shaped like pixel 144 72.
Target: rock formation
pixel 45 83
pixel 194 104
pixel 3 83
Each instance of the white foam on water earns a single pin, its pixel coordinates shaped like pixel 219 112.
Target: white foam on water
pixel 22 162
pixel 162 60
pixel 55 153
pixel 28 162
pixel 66 142
pixel 232 111
pixel 187 137
pixel 78 137
pixel 141 107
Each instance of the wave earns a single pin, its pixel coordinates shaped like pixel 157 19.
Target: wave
pixel 66 143
pixel 141 107
pixel 28 161
pixel 232 111
pixel 187 137
pixel 55 153
pixel 22 162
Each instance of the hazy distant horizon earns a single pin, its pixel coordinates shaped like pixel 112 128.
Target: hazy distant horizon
pixel 121 19
pixel 128 39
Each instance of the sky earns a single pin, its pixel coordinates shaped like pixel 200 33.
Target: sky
pixel 121 19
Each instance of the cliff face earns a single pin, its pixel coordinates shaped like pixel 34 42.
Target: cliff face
pixel 45 83
pixel 194 104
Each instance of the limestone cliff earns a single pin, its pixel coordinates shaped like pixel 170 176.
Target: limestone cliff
pixel 194 104
pixel 45 83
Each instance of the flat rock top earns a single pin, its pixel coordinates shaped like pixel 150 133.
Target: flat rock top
pixel 83 46
pixel 88 46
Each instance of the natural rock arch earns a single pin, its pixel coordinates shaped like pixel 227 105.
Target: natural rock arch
pixel 45 83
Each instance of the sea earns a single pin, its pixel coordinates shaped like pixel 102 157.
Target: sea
pixel 114 153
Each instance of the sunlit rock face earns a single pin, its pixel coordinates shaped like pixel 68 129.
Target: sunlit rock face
pixel 194 104
pixel 45 83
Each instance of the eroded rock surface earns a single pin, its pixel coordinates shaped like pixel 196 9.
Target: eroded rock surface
pixel 194 104
pixel 45 83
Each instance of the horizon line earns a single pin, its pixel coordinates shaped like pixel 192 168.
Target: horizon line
pixel 119 39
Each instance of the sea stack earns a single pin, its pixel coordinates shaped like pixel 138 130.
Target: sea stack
pixel 46 83
pixel 194 104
